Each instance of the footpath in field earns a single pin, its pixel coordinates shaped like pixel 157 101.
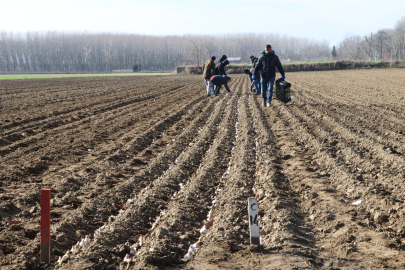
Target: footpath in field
pixel 149 173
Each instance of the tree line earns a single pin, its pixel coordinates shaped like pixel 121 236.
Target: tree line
pixel 384 44
pixel 103 52
pixel 85 52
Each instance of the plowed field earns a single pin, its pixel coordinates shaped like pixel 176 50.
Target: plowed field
pixel 142 162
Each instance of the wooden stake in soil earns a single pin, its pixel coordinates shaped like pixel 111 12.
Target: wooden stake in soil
pixel 45 225
pixel 253 222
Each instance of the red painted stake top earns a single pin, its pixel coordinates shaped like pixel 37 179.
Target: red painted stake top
pixel 45 216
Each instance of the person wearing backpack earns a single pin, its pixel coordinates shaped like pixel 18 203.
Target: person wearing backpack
pixel 208 72
pixel 267 64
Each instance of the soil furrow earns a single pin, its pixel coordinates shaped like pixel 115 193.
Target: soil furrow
pixel 77 147
pixel 284 230
pixel 326 169
pixel 53 126
pixel 341 222
pixel 230 230
pixel 351 150
pixel 10 132
pixel 83 182
pixel 367 123
pixel 155 198
pixel 104 204
pixel 184 215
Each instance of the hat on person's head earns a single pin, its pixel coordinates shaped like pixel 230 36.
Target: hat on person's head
pixel 251 57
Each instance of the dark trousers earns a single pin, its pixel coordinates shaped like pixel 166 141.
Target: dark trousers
pixel 217 87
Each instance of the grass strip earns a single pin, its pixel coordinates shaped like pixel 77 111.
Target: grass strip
pixel 53 76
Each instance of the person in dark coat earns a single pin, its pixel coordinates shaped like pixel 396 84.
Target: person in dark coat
pixel 249 73
pixel 220 68
pixel 256 81
pixel 218 81
pixel 267 64
pixel 222 58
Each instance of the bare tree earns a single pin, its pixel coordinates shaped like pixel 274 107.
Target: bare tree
pixel 400 33
pixel 368 45
pixel 349 48
pixel 381 39
pixel 55 51
pixel 196 50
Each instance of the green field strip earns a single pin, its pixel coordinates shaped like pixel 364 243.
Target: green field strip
pixel 53 76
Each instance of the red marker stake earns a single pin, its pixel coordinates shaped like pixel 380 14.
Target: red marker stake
pixel 45 225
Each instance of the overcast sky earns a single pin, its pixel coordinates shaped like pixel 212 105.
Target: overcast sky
pixel 314 19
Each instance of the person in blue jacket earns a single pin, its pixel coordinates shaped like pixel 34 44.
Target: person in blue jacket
pixel 218 81
pixel 267 64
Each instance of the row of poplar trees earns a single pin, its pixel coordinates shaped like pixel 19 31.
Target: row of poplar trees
pixel 86 52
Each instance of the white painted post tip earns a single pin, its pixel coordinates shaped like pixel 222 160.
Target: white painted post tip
pixel 253 214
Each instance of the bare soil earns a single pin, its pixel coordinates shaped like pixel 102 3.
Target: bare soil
pixel 148 158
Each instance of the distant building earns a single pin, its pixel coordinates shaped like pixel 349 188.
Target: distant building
pixel 234 60
pixel 374 59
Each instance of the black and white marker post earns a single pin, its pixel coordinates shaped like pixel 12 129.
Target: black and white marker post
pixel 253 222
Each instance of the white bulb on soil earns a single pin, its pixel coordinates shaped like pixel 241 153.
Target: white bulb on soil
pixel 127 258
pixel 192 249
pixel 64 258
pixel 204 230
pixel 357 202
pixel 188 256
pixel 132 251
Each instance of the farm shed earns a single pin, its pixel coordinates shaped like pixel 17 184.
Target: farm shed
pixel 235 59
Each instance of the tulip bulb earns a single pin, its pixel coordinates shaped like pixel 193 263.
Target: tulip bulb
pixel 64 258
pixel 261 241
pixel 87 239
pixel 204 230
pixel 188 256
pixel 140 241
pixel 192 249
pixel 127 258
pixel 133 250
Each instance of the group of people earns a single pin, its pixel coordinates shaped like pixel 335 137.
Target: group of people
pixel 215 75
pixel 262 74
